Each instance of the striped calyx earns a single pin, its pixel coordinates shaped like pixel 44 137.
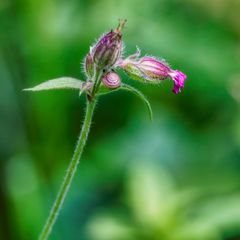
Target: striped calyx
pixel 108 48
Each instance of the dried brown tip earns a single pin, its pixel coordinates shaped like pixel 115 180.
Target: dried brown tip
pixel 120 25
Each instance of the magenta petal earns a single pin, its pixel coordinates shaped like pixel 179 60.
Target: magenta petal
pixel 178 78
pixel 176 89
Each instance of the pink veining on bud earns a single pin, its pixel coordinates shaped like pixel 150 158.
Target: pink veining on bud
pixel 111 80
pixel 108 49
pixel 152 70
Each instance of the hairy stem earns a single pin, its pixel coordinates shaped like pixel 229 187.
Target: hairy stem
pixel 70 172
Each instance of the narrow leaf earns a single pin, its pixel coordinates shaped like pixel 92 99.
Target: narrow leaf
pixel 58 83
pixel 140 95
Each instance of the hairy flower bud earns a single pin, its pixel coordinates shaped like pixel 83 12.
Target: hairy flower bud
pixel 111 80
pixel 89 66
pixel 152 70
pixel 108 48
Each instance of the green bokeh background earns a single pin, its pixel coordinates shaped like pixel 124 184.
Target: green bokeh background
pixel 176 178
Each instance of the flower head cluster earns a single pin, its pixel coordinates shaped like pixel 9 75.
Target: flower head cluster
pixel 106 55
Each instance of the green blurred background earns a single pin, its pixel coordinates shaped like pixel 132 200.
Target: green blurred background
pixel 176 178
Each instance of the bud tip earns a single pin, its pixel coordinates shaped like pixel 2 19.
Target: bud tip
pixel 121 25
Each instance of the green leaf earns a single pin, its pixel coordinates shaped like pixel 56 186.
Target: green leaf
pixel 59 83
pixel 140 95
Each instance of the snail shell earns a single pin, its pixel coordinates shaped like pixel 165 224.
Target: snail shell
pixel 111 80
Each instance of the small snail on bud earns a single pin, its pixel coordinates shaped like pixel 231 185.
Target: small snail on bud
pixel 111 80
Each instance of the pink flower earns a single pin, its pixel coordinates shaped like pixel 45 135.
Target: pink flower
pixel 153 70
pixel 178 77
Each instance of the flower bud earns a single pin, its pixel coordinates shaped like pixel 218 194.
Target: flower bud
pixel 111 80
pixel 152 70
pixel 108 48
pixel 89 66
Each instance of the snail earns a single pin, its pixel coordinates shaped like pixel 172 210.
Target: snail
pixel 111 80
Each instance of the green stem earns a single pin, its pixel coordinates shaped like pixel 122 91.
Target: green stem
pixel 70 172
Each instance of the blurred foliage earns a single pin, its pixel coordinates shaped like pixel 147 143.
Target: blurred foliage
pixel 176 178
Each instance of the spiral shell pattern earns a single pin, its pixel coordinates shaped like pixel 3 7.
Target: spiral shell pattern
pixel 111 80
